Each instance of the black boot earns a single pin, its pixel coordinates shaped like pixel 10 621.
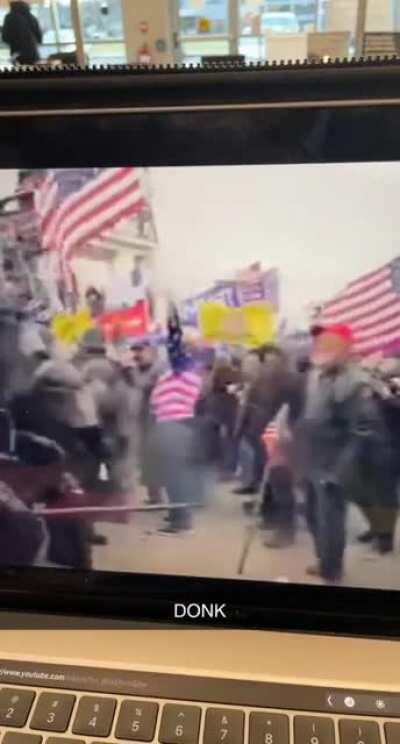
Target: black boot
pixel 245 490
pixel 279 540
pixel 365 537
pixel 180 520
pixel 384 543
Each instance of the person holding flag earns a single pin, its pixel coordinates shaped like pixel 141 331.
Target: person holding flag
pixel 173 400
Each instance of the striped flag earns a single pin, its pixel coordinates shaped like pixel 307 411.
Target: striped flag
pixel 46 202
pixel 370 306
pixel 76 206
pixel 270 438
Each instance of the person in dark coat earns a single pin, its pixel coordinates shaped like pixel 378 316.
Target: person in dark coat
pixel 340 443
pixel 53 408
pixel 22 33
pixel 379 502
pixel 219 409
pixel 272 386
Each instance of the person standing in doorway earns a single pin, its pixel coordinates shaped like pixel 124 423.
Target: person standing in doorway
pixel 22 33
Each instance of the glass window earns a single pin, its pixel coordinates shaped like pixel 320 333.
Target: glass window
pixel 200 17
pixel 63 17
pixel 256 19
pixel 55 21
pixel 278 16
pixel 103 31
pixel 250 17
pixel 102 20
pixel 252 47
pixel 194 50
pixel 42 11
pixel 204 29
pixel 4 51
pixel 106 53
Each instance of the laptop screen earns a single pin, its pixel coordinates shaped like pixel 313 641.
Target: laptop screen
pixel 201 354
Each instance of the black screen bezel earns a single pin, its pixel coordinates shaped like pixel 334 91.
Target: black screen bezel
pixel 311 115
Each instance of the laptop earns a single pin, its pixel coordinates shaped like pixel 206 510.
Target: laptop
pixel 199 405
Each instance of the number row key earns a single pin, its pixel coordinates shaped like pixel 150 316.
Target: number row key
pixel 15 706
pixel 180 723
pixel 136 720
pixel 52 712
pixel 321 730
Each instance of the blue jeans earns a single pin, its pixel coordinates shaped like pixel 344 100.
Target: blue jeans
pixel 174 447
pixel 329 527
pixel 184 479
pixel 246 462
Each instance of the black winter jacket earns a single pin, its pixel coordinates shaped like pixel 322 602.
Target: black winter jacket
pixel 22 33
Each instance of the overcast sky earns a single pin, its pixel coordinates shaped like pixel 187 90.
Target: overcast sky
pixel 321 225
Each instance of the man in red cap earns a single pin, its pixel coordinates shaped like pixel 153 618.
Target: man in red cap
pixel 340 419
pixel 332 344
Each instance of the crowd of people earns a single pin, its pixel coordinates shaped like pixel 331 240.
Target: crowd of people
pixel 168 423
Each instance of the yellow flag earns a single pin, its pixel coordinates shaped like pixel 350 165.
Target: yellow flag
pixel 70 328
pixel 251 325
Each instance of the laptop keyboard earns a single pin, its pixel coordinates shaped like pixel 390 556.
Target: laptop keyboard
pixel 32 716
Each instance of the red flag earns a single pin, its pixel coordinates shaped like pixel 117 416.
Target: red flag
pixel 127 323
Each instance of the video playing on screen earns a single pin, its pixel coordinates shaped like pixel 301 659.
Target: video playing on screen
pixel 200 371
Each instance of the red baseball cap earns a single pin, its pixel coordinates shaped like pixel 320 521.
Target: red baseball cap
pixel 342 331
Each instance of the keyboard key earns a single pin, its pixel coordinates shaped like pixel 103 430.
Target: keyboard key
pixel 358 732
pixel 224 726
pixel 52 712
pixel 16 737
pixel 268 728
pixel 15 706
pixel 63 740
pixel 313 730
pixel 137 720
pixel 392 733
pixel 94 716
pixel 180 724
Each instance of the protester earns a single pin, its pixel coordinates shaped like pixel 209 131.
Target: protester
pixel 145 372
pixel 174 400
pixel 60 409
pixel 339 425
pixel 279 499
pixel 95 301
pixel 219 409
pixel 379 499
pixel 22 33
pixel 270 385
pixel 117 405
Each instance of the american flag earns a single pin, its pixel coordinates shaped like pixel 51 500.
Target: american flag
pixel 261 286
pixel 75 206
pixel 370 306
